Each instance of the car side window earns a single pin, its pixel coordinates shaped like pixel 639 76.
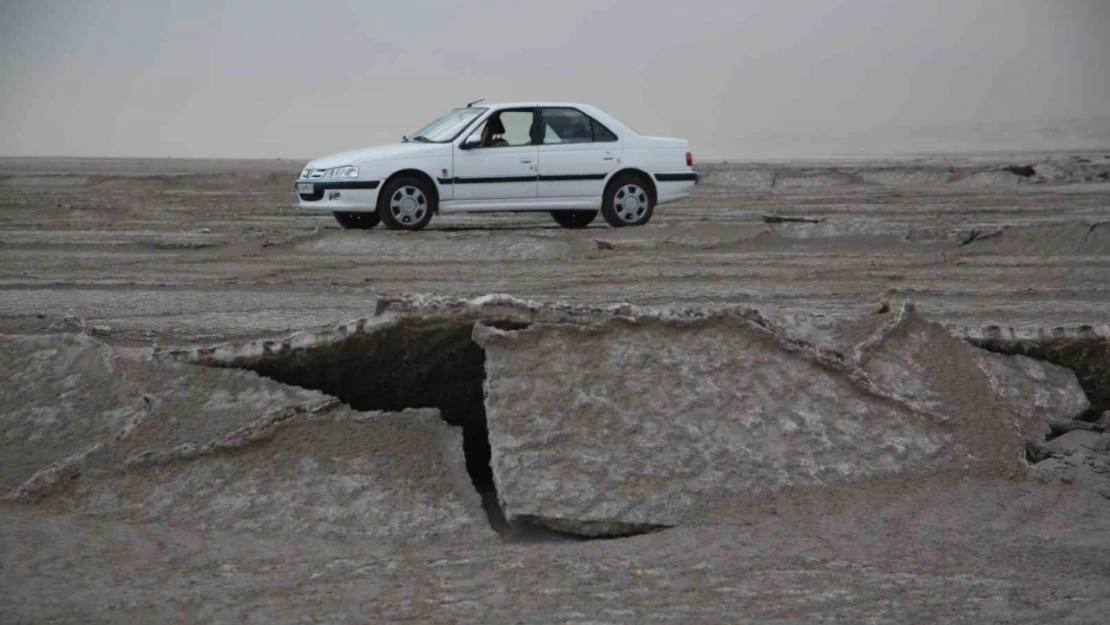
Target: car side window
pixel 506 129
pixel 518 126
pixel 601 133
pixel 568 125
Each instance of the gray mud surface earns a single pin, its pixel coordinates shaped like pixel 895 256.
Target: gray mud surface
pixel 140 489
pixel 157 253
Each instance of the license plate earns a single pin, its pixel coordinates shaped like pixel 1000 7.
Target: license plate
pixel 306 187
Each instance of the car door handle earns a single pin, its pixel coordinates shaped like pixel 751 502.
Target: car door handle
pixel 608 158
pixel 527 160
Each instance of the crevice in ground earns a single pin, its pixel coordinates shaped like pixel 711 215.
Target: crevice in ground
pixel 1086 354
pixel 415 363
pixel 1090 231
pixel 978 235
pixel 1025 171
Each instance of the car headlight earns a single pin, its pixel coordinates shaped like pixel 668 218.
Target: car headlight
pixel 306 173
pixel 348 171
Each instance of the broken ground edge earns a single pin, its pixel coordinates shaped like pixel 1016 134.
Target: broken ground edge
pixel 181 418
pixel 515 314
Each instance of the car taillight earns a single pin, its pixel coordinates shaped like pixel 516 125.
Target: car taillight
pixel 689 160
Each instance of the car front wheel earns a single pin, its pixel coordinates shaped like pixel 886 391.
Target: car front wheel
pixel 406 204
pixel 357 221
pixel 573 219
pixel 627 202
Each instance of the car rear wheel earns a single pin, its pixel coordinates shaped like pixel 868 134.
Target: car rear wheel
pixel 628 201
pixel 573 219
pixel 406 204
pixel 357 221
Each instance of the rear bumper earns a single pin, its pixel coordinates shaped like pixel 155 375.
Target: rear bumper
pixel 338 195
pixel 678 176
pixel 674 186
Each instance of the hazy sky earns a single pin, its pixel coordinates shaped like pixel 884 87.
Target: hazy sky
pixel 226 78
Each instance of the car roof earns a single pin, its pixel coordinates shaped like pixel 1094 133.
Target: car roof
pixel 503 105
pixel 605 118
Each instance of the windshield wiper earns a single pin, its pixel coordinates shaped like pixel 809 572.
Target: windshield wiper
pixel 422 139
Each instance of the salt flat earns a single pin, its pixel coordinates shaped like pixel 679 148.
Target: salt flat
pixel 157 255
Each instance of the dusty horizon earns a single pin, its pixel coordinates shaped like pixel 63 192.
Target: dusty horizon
pixel 740 80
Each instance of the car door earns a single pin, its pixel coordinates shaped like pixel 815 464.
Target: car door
pixel 504 170
pixel 576 154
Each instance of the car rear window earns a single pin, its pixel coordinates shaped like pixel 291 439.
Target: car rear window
pixel 568 125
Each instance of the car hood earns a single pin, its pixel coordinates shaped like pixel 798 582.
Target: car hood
pixel 389 152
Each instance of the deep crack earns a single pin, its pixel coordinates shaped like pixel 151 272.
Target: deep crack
pixel 1079 246
pixel 413 364
pixel 1088 356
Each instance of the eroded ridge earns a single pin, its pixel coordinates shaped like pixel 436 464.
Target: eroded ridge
pixel 611 420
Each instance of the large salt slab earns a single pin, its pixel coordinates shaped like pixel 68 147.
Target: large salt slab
pixel 145 440
pixel 627 425
pixel 60 397
pixel 398 476
pixel 1043 392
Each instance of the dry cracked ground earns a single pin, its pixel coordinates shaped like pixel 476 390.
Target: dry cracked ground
pixel 855 391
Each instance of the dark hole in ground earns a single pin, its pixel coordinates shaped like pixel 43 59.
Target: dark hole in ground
pixel 1088 356
pixel 425 363
pixel 415 364
pixel 1021 170
pixel 418 363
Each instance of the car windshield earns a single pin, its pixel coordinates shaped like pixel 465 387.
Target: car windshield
pixel 446 127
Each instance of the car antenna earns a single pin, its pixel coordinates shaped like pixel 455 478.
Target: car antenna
pixel 470 104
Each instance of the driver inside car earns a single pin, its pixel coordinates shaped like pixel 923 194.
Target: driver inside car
pixel 493 133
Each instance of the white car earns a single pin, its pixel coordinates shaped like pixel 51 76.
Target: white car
pixel 572 160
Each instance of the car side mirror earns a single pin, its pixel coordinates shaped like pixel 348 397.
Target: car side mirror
pixel 470 143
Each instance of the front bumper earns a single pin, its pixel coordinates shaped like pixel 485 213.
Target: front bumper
pixel 320 187
pixel 338 195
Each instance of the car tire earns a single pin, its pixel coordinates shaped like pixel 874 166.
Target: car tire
pixel 573 219
pixel 357 221
pixel 406 204
pixel 628 201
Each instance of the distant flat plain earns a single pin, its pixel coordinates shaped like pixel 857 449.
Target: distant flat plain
pixel 182 250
